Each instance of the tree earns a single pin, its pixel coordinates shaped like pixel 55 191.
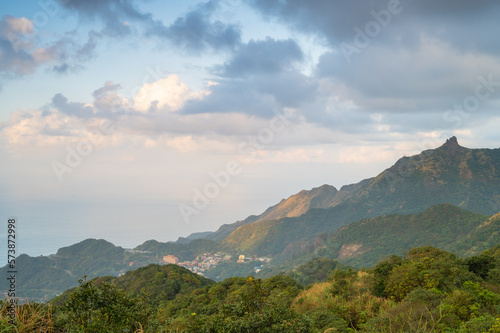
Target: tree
pixel 104 309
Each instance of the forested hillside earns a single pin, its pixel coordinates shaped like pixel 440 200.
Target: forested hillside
pixel 427 290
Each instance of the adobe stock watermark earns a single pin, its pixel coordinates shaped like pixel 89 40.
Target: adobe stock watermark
pixel 372 29
pixel 484 90
pixel 50 8
pixel 221 179
pixel 83 148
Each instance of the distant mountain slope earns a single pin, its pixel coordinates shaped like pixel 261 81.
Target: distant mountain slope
pixel 467 178
pixel 300 203
pixel 187 251
pixel 38 278
pixel 364 243
pixel 483 237
pixel 41 278
pixel 91 257
pixel 193 236
pixel 296 205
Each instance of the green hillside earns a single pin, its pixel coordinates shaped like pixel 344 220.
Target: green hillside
pixel 38 278
pixel 484 236
pixel 80 258
pixel 161 283
pixel 427 290
pixel 364 243
pixel 41 278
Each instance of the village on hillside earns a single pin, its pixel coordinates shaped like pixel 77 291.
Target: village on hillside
pixel 208 260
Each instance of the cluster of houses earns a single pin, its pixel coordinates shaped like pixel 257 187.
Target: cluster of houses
pixel 200 264
pixel 208 260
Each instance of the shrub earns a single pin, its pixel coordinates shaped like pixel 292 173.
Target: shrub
pixel 104 308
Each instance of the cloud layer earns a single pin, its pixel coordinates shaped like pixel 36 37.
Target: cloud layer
pixel 387 68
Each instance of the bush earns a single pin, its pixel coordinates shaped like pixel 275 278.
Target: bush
pixel 105 308
pixel 323 319
pixel 252 308
pixel 431 297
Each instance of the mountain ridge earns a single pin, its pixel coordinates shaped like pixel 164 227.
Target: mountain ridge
pixel 466 178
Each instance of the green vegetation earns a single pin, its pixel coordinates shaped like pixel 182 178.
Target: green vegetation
pixel 427 290
pixel 161 283
pixel 43 278
pixel 365 242
pixel 239 305
pixel 79 259
pixel 40 279
pixel 104 308
pixel 316 270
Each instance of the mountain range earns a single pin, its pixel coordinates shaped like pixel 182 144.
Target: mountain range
pixel 466 178
pixel 447 197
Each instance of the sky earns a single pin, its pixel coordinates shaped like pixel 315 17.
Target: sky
pixel 134 120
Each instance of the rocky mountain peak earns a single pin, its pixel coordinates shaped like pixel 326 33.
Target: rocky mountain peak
pixel 452 144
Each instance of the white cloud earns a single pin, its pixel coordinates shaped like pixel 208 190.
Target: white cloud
pixel 169 93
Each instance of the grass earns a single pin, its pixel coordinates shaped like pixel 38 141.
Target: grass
pixel 30 317
pixel 355 309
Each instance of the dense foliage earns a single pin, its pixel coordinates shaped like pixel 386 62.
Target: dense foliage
pixel 444 226
pixel 316 270
pixel 162 283
pixel 105 308
pixel 427 290
pixel 239 305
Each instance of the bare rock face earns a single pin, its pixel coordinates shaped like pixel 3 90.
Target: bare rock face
pixel 452 144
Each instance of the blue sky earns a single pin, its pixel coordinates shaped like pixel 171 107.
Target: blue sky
pixel 187 115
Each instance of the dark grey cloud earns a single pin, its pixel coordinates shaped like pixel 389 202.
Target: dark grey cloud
pixel 259 78
pixel 430 79
pixel 116 15
pixel 262 56
pixel 466 24
pixel 63 68
pixel 86 51
pixel 196 31
pixel 418 63
pixel 109 87
pixel 261 95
